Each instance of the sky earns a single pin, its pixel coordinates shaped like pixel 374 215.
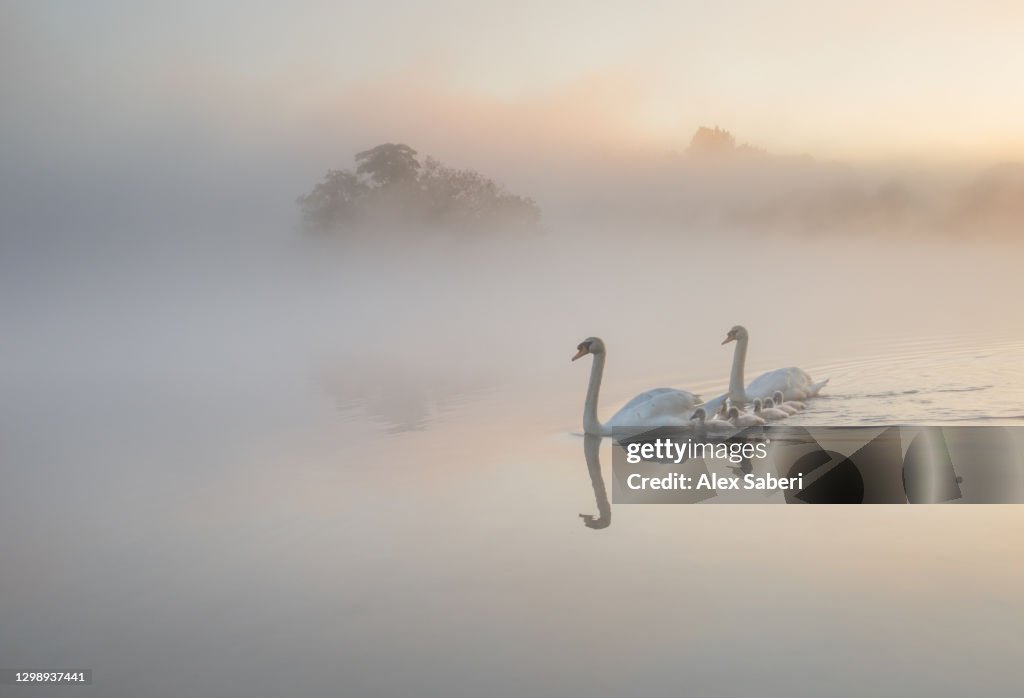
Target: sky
pixel 872 78
pixel 107 90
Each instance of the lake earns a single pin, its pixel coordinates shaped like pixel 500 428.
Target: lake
pixel 272 467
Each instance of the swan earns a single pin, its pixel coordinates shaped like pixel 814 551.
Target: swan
pixel 744 420
pixel 792 382
pixel 660 407
pixel 791 406
pixel 716 407
pixel 723 411
pixel 697 420
pixel 714 424
pixel 767 410
pixel 777 404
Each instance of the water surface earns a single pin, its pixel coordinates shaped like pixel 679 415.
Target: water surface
pixel 302 472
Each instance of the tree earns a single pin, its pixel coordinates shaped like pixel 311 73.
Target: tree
pixel 711 143
pixel 338 199
pixel 388 164
pixel 390 187
pixel 464 198
pixel 993 201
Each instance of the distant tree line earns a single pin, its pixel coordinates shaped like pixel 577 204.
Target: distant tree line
pixel 717 180
pixel 717 143
pixel 391 186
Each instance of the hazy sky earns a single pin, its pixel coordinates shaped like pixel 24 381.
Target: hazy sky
pixel 125 100
pixel 877 77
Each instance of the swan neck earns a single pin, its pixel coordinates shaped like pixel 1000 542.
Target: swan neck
pixel 591 425
pixel 737 392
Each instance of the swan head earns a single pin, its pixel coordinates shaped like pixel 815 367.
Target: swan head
pixel 590 345
pixel 778 398
pixel 758 405
pixel 736 333
pixel 769 403
pixel 734 413
pixel 699 414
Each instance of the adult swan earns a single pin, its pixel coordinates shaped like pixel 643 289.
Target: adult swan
pixel 661 407
pixel 792 382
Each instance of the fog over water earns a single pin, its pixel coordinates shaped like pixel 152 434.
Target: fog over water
pixel 258 463
pixel 237 459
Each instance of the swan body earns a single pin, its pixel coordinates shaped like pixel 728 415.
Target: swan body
pixel 660 407
pixel 794 383
pixel 791 406
pixel 744 420
pixel 768 411
pixel 719 425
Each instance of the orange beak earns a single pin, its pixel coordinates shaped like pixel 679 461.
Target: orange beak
pixel 729 338
pixel 581 352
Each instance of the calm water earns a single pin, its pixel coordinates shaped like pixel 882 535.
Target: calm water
pixel 295 474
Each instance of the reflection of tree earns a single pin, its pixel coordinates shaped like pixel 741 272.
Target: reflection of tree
pixel 592 456
pixel 403 397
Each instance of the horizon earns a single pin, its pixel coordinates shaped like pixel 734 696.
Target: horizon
pixel 237 109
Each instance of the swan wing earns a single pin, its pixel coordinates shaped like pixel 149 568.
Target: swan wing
pixel 815 388
pixel 658 407
pixel 645 397
pixel 792 381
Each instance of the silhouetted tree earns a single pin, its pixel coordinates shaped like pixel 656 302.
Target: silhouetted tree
pixel 463 198
pixel 994 201
pixel 337 200
pixel 893 202
pixel 390 186
pixel 388 164
pixel 711 143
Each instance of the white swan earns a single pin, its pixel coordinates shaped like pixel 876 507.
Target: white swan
pixel 777 404
pixel 767 410
pixel 723 411
pixel 697 420
pixel 660 407
pixel 792 382
pixel 714 424
pixel 744 420
pixel 791 406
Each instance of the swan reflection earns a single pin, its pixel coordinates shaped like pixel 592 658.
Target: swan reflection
pixel 592 456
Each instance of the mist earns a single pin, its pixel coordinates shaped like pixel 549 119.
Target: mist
pixel 246 457
pixel 117 127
